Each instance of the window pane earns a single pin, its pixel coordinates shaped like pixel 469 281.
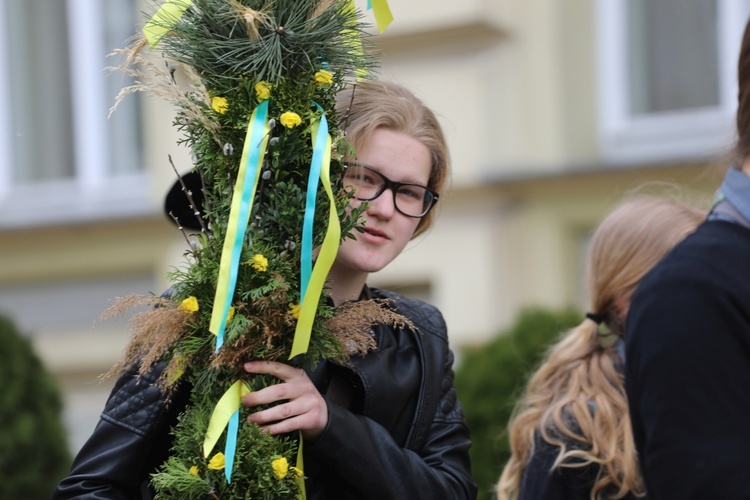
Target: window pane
pixel 124 137
pixel 41 114
pixel 673 55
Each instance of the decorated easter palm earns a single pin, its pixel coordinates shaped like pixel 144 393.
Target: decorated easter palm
pixel 254 83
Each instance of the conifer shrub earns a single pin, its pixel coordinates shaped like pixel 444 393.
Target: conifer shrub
pixel 34 453
pixel 490 378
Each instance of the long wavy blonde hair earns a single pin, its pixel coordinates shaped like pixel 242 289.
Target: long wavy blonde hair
pixel 576 399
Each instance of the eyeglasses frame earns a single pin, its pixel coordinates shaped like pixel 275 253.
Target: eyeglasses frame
pixel 394 186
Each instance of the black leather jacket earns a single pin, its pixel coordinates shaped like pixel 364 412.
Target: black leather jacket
pixel 395 431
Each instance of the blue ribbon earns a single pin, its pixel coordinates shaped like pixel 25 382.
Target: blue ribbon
pixel 312 193
pixel 248 192
pixel 231 445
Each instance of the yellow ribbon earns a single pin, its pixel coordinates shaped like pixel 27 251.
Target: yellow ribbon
pixel 351 39
pixel 164 19
pixel 323 263
pixel 301 467
pixel 227 405
pixel 383 16
pixel 242 204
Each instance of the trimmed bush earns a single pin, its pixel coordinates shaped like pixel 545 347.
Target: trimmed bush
pixel 34 452
pixel 491 377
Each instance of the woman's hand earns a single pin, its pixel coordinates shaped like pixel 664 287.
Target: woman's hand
pixel 304 408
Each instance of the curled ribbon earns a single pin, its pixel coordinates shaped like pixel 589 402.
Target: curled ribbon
pixel 316 165
pixel 226 414
pixel 351 39
pixel 253 151
pixel 382 11
pixel 328 250
pixel 168 14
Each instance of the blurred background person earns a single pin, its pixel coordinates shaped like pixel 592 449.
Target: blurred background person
pixel 688 345
pixel 570 435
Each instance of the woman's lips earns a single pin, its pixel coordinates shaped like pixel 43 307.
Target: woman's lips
pixel 374 235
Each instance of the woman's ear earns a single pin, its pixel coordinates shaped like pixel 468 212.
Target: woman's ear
pixel 622 302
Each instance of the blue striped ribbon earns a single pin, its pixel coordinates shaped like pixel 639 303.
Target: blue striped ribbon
pixel 312 192
pixel 239 216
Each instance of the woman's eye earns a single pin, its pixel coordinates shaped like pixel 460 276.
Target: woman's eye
pixel 409 193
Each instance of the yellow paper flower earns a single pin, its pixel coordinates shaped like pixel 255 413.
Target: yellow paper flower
pixel 263 90
pixel 230 314
pixel 324 77
pixel 217 462
pixel 219 104
pixel 290 119
pixel 280 467
pixel 259 262
pixel 193 470
pixel 189 305
pixel 294 310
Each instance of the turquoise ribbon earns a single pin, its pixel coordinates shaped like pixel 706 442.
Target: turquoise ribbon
pixel 231 445
pixel 312 192
pixel 243 216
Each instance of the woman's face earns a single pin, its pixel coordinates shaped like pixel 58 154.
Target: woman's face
pixel 399 158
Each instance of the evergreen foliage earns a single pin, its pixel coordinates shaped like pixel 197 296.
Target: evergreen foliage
pixel 490 379
pixel 218 62
pixel 34 452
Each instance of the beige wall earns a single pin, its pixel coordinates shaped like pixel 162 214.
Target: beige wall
pixel 514 86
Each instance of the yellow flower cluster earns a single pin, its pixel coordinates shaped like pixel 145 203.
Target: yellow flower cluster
pixel 217 462
pixel 259 262
pixel 324 77
pixel 290 119
pixel 262 90
pixel 280 467
pixel 219 104
pixel 189 305
pixel 294 310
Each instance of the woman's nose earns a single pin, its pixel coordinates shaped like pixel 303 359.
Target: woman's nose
pixel 383 206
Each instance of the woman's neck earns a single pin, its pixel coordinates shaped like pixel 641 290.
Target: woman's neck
pixel 343 288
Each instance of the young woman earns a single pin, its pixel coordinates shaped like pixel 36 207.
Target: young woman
pixel 389 425
pixel 570 435
pixel 688 345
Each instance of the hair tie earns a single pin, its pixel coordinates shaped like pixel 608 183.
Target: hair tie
pixel 596 318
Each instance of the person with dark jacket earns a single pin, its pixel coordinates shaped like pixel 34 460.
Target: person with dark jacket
pixel 688 346
pixel 387 426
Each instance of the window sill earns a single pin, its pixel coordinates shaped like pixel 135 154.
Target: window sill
pixel 70 202
pixel 668 137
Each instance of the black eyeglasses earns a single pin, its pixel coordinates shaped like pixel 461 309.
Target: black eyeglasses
pixel 412 200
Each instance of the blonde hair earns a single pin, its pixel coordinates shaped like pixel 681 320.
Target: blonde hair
pixel 369 105
pixel 576 399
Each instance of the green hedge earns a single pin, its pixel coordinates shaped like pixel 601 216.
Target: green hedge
pixel 34 452
pixel 490 378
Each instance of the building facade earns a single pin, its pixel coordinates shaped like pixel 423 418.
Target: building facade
pixel 555 110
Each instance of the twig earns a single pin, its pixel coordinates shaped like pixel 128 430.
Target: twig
pixel 189 195
pixel 345 120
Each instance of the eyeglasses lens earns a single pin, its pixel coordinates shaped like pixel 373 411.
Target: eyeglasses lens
pixel 367 184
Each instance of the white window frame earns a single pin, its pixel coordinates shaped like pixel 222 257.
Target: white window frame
pixel 666 136
pixel 92 194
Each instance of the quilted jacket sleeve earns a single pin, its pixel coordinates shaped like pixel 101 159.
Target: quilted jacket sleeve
pixel 129 441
